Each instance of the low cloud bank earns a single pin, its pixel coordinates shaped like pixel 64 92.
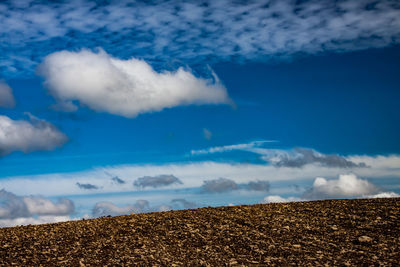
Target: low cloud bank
pixel 346 186
pixel 110 209
pixel 156 181
pixel 16 210
pixel 28 136
pixel 123 87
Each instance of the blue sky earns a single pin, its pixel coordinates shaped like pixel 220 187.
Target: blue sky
pixel 208 103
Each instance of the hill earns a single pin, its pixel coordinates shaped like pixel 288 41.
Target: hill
pixel 333 232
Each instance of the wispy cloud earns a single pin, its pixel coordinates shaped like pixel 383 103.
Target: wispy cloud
pixel 220 149
pixel 193 31
pixel 123 87
pixel 28 136
pixel 207 134
pixel 290 158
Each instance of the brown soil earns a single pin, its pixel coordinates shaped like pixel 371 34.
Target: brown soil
pixel 334 232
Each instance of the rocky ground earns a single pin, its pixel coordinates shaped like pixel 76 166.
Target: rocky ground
pixel 335 232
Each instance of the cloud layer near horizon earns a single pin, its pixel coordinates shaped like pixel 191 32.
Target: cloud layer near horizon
pixel 193 174
pixel 176 32
pixel 16 210
pixel 28 136
pixel 346 186
pixel 123 87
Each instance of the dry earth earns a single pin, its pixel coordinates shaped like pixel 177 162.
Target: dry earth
pixel 334 232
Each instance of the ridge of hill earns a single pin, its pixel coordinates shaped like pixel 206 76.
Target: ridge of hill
pixel 333 232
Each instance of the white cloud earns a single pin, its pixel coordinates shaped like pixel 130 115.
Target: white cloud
pixel 197 30
pixel 123 87
pixel 347 185
pixel 6 96
pixel 28 136
pixel 279 199
pixel 384 195
pixel 33 220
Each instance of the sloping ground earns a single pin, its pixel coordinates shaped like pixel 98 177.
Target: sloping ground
pixel 336 232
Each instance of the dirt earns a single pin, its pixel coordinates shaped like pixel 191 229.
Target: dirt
pixel 334 232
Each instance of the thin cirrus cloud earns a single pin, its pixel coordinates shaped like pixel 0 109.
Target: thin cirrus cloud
pixel 193 31
pixel 28 136
pixel 123 87
pixel 6 96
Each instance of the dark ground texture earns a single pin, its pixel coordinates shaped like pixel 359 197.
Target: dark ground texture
pixel 334 232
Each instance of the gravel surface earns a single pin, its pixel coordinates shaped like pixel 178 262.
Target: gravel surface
pixel 334 232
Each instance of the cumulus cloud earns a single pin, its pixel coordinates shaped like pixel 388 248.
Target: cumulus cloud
pixel 219 185
pixel 156 181
pixel 197 31
pixel 257 186
pixel 347 185
pixel 124 87
pixel 32 209
pixel 6 96
pixel 87 186
pixel 28 136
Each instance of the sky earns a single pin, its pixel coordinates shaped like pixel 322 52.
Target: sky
pixel 119 107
